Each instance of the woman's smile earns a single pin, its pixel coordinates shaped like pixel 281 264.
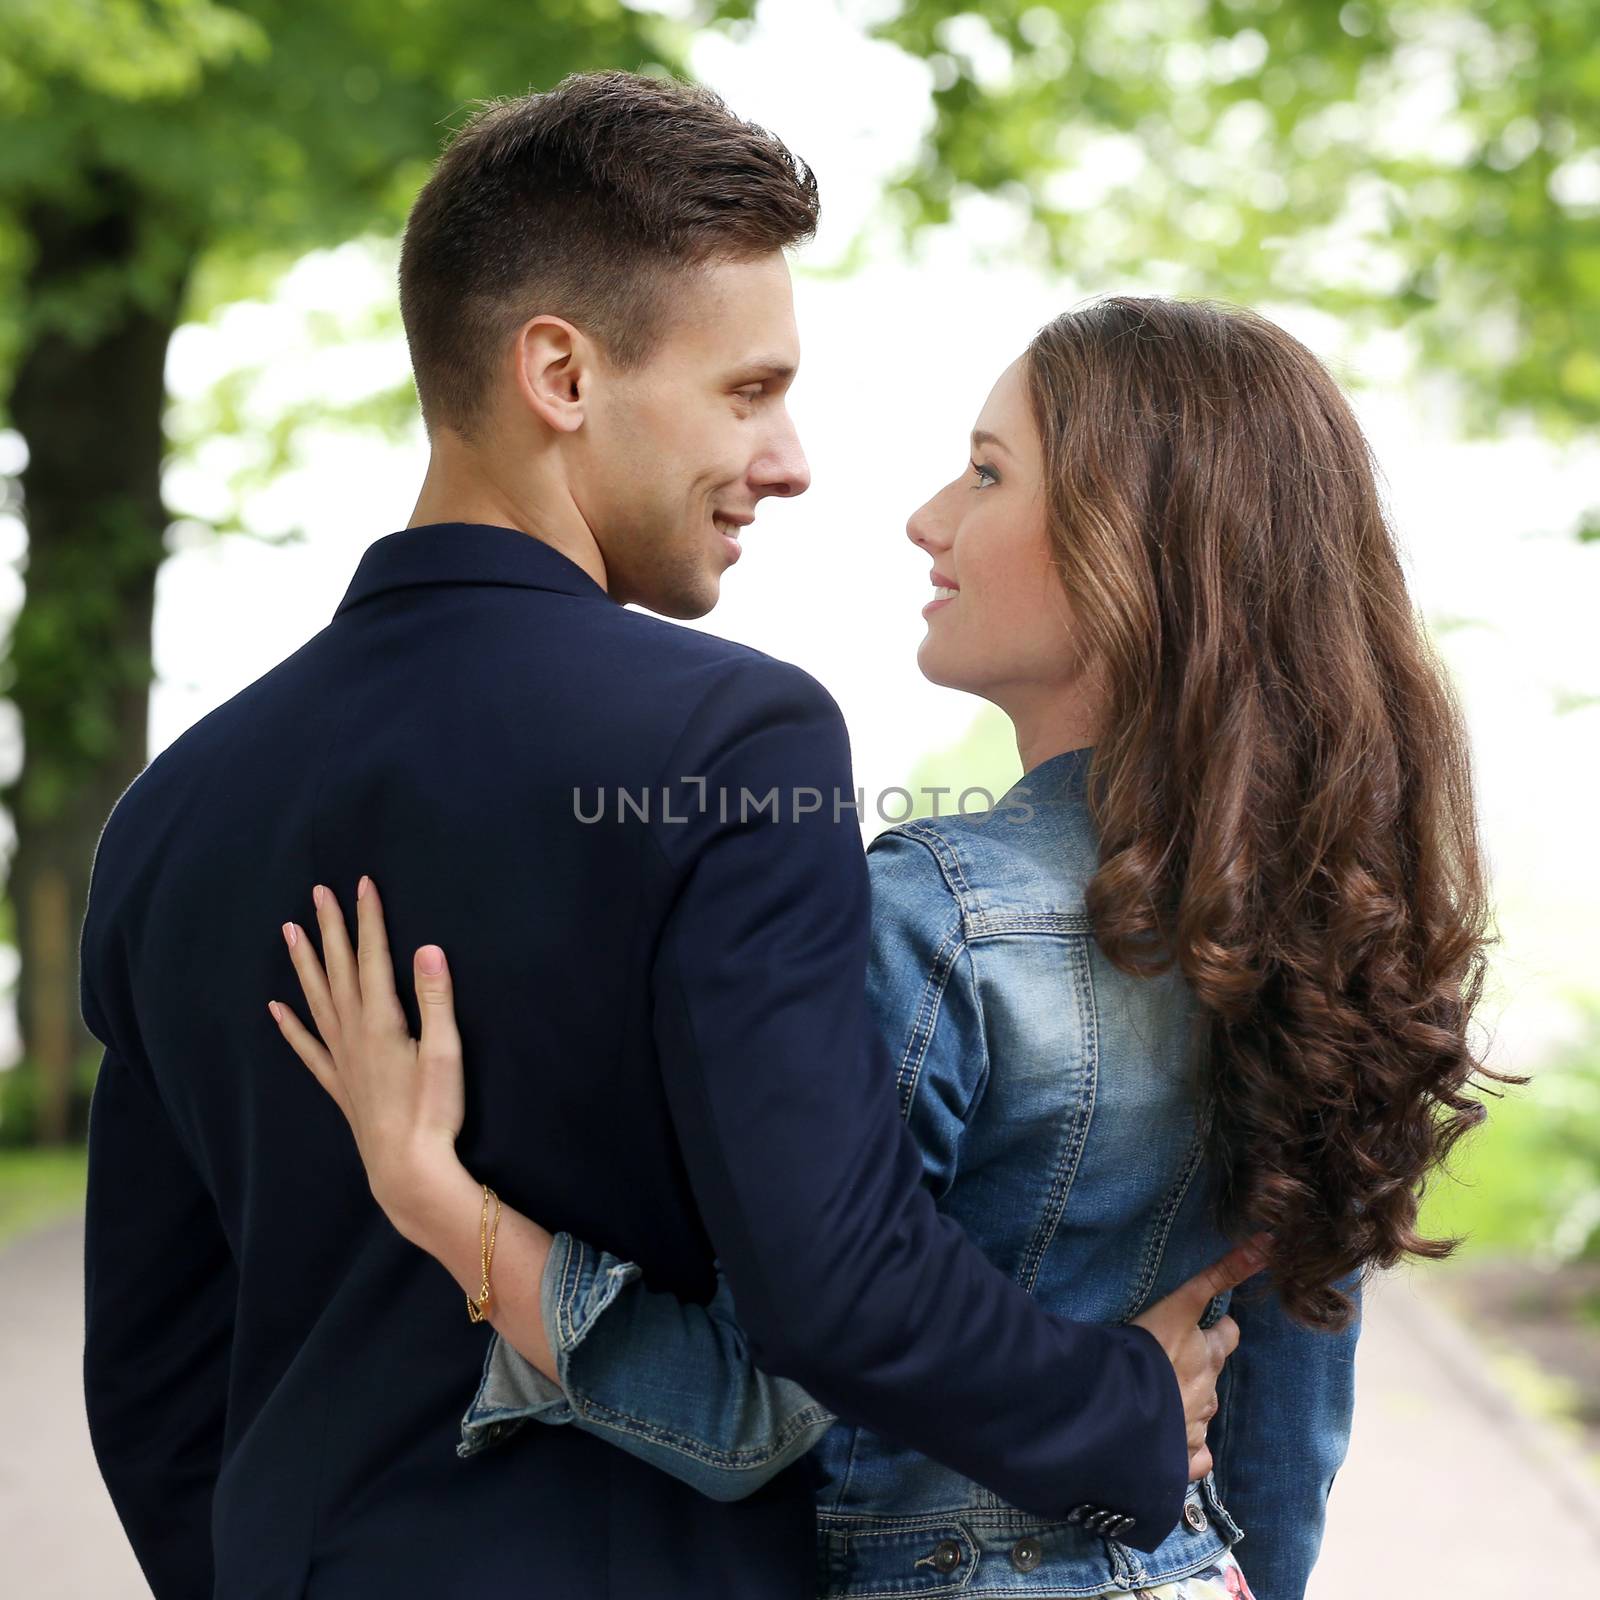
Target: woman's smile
pixel 944 591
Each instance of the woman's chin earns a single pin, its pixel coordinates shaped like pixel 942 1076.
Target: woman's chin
pixel 935 665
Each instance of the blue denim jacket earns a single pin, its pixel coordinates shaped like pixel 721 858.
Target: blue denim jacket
pixel 1057 1105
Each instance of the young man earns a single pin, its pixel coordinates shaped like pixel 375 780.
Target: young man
pixel 665 1025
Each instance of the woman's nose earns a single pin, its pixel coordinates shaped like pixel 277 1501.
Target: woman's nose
pixel 922 526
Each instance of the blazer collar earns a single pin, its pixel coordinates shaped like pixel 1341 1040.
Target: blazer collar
pixel 465 552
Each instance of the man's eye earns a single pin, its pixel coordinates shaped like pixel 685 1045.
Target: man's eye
pixel 752 394
pixel 986 475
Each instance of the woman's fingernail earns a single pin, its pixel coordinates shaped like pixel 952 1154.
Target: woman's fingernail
pixel 272 1006
pixel 316 894
pixel 361 888
pixel 431 959
pixel 290 934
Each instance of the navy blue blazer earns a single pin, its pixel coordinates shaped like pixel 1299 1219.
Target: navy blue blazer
pixel 659 941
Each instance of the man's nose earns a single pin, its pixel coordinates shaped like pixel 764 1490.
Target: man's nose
pixel 788 477
pixel 784 469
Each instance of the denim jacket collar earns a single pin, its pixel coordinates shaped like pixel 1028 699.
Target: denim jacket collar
pixel 465 552
pixel 1059 777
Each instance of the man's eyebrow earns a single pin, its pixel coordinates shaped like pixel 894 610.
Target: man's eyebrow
pixel 980 437
pixel 768 367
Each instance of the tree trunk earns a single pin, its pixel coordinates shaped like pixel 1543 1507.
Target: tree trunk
pixel 90 409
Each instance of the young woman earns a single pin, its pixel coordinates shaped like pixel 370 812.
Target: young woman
pixel 1205 972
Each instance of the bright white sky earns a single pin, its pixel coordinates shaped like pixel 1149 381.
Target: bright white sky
pixel 897 362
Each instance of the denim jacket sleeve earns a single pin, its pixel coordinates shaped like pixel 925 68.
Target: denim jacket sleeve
pixel 1280 1435
pixel 924 994
pixel 675 1384
pixel 667 1381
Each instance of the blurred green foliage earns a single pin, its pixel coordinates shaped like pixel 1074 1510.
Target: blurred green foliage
pixel 38 1186
pixel 1220 147
pixel 1213 145
pixel 162 158
pixel 985 757
pixel 1528 1181
pixel 1223 147
pixel 20 1101
pixel 248 133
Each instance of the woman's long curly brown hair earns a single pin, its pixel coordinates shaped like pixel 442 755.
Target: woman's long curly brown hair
pixel 1281 779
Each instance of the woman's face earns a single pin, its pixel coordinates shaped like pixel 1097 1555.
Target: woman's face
pixel 999 624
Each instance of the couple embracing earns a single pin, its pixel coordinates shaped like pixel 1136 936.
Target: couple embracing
pixel 984 1214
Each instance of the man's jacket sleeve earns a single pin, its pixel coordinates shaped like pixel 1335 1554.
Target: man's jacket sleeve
pixel 847 1278
pixel 159 1287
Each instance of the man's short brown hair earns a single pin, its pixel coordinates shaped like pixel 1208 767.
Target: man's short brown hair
pixel 583 202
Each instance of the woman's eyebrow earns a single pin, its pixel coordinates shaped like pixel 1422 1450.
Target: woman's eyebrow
pixel 981 437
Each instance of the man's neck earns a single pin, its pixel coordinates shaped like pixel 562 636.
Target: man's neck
pixel 450 496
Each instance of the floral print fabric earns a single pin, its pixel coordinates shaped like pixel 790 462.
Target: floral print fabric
pixel 1224 1581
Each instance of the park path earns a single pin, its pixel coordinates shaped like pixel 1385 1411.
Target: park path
pixel 1450 1488
pixel 59 1537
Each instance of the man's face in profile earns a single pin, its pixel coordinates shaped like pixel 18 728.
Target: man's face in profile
pixel 679 452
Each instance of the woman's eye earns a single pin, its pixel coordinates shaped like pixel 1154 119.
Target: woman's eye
pixel 986 475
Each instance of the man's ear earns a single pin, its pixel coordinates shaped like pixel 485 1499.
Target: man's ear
pixel 554 365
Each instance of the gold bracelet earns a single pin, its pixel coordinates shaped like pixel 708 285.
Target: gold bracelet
pixel 478 1309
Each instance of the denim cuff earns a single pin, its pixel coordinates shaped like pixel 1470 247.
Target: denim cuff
pixel 578 1284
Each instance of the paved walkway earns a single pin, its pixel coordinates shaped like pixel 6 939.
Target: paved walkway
pixel 1450 1489
pixel 59 1537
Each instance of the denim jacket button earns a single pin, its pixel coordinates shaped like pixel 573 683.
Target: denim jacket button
pixel 1026 1555
pixel 946 1556
pixel 1194 1516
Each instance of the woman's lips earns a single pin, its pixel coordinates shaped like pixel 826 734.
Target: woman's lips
pixel 944 592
